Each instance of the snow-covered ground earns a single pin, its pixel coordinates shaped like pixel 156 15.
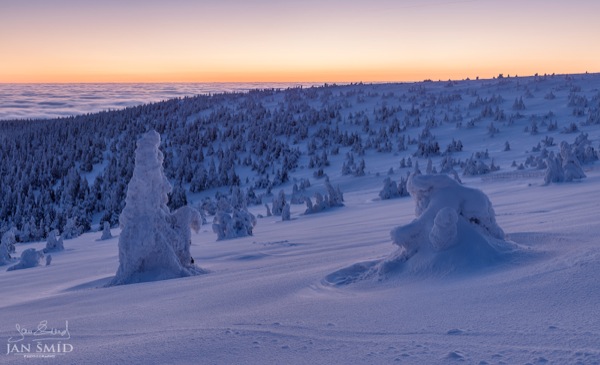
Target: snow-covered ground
pixel 269 298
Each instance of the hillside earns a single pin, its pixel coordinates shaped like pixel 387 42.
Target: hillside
pixel 282 294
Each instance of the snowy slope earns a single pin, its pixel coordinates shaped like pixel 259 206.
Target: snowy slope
pixel 266 299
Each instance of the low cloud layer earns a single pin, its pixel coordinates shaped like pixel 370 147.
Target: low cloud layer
pixel 41 101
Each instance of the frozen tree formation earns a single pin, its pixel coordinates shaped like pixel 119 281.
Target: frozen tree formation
pixel 391 189
pixel 554 170
pixel 285 213
pixel 239 224
pixel 223 226
pixel 455 230
pixel 333 198
pixel 106 235
pixel 9 240
pixel 154 243
pixel 71 229
pixel 278 203
pixel 4 255
pixel 570 163
pixel 564 167
pixel 53 243
pixel 29 258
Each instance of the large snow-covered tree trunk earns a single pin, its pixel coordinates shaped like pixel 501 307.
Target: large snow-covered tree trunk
pixel 154 244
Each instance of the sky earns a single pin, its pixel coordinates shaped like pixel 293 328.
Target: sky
pixel 299 40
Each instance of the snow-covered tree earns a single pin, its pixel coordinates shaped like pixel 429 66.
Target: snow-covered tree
pixel 335 195
pixel 29 258
pixel 570 164
pixel 333 198
pixel 106 235
pixel 243 222
pixel 154 244
pixel 71 229
pixel 227 226
pixel 222 225
pixel 434 192
pixel 285 213
pixel 297 195
pixel 53 243
pixel 9 240
pixel 389 190
pixel 554 171
pixel 4 255
pixel 278 203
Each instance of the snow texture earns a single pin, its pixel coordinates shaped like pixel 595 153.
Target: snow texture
pixel 154 244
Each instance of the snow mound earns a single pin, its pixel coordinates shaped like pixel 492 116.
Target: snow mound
pixel 455 231
pixel 154 243
pixel 29 258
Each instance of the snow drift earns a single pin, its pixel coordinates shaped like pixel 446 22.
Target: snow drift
pixel 455 230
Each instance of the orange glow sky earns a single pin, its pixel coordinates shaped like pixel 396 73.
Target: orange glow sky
pixel 298 40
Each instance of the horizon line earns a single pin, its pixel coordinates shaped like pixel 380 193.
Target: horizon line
pixel 468 78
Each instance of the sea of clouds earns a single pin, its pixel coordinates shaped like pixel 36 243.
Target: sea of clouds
pixel 41 101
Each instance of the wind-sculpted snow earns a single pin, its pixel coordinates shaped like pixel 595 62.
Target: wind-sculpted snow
pixel 455 231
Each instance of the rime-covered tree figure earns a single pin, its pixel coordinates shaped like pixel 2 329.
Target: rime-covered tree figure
pixel 336 198
pixel 9 240
pixel 71 229
pixel 227 226
pixel 455 229
pixel 53 243
pixel 278 203
pixel 29 258
pixel 4 255
pixel 446 213
pixel 570 163
pixel 333 198
pixel 154 244
pixel 106 235
pixel 285 213
pixel 554 170
pixel 389 190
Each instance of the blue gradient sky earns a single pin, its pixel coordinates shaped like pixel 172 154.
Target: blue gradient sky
pixel 308 40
